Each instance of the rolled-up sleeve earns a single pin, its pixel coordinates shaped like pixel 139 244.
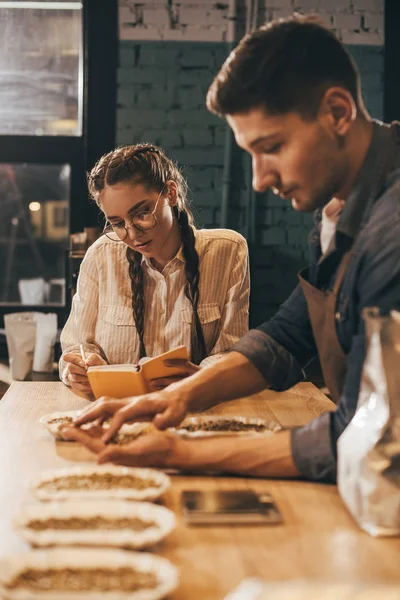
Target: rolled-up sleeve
pixel 281 347
pixel 278 367
pixel 312 449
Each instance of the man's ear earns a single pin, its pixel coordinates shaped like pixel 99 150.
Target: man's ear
pixel 338 110
pixel 172 192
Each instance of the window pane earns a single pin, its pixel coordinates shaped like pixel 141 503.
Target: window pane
pixel 40 68
pixel 34 231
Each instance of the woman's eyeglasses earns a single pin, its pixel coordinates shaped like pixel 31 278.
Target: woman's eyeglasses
pixel 142 221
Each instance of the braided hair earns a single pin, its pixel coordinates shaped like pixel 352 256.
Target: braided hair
pixel 149 165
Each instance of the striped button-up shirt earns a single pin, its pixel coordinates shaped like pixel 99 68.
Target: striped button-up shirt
pixel 102 317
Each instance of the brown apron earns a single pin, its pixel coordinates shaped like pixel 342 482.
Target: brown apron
pixel 322 303
pixel 322 312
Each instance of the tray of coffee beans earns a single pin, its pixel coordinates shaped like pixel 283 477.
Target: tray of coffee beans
pixel 101 481
pixel 54 421
pixel 206 426
pixel 122 523
pixel 79 574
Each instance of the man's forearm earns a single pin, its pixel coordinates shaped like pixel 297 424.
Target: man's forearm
pixel 257 456
pixel 234 376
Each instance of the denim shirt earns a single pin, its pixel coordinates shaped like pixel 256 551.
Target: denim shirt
pixel 280 348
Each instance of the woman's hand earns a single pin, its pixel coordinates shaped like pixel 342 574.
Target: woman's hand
pixel 150 450
pixel 75 372
pixel 187 368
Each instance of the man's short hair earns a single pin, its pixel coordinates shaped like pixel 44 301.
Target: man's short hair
pixel 286 66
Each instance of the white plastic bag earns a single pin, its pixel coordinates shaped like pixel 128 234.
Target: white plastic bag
pixel 21 337
pixel 46 333
pixel 369 448
pixel 30 341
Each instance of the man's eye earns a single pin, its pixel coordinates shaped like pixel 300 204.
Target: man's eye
pixel 273 149
pixel 120 224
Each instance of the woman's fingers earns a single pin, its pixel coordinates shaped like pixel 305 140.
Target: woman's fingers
pixel 73 359
pixel 94 360
pixel 81 387
pixel 78 378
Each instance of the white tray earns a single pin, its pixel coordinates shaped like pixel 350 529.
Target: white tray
pixel 63 558
pixel 163 519
pixel 162 481
pixel 53 428
pixel 270 427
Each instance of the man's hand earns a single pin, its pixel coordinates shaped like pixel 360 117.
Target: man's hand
pixel 187 368
pixel 76 370
pixel 165 409
pixel 254 456
pixel 90 437
pixel 154 450
pixel 101 410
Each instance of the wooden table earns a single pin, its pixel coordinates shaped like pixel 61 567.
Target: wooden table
pixel 318 539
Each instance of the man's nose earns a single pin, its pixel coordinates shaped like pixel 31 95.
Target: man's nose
pixel 264 177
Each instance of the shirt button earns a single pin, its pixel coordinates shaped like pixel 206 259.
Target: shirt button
pixel 162 311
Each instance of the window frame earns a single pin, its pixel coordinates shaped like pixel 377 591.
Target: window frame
pixel 100 61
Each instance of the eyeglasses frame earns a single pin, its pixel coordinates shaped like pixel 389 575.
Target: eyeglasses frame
pixel 141 229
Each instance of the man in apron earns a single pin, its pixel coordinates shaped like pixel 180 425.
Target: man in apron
pixel 291 94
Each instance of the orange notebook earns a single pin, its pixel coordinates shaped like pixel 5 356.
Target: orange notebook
pixel 120 381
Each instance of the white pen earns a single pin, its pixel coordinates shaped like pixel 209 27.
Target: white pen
pixel 83 354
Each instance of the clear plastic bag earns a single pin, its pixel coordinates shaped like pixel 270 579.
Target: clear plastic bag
pixel 369 448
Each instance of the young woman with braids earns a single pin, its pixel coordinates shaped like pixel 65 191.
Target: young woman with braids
pixel 153 281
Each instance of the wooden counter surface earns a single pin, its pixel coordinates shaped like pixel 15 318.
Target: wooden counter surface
pixel 318 539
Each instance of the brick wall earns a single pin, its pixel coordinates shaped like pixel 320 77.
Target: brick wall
pixel 169 53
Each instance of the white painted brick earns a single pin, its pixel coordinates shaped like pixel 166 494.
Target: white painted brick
pixel 306 5
pixel 325 16
pixel 342 20
pixel 219 17
pixel 277 4
pixel 336 5
pixel 374 5
pixel 126 15
pixel 205 3
pixel 156 16
pixel 193 15
pixel 374 21
pixel 368 39
pixel 140 33
pixel 280 13
pixel 201 20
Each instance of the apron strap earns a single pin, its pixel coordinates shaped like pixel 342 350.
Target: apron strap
pixel 344 263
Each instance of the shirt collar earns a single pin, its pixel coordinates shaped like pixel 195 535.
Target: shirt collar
pixel 369 181
pixel 178 257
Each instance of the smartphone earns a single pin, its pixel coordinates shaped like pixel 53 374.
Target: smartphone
pixel 230 506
